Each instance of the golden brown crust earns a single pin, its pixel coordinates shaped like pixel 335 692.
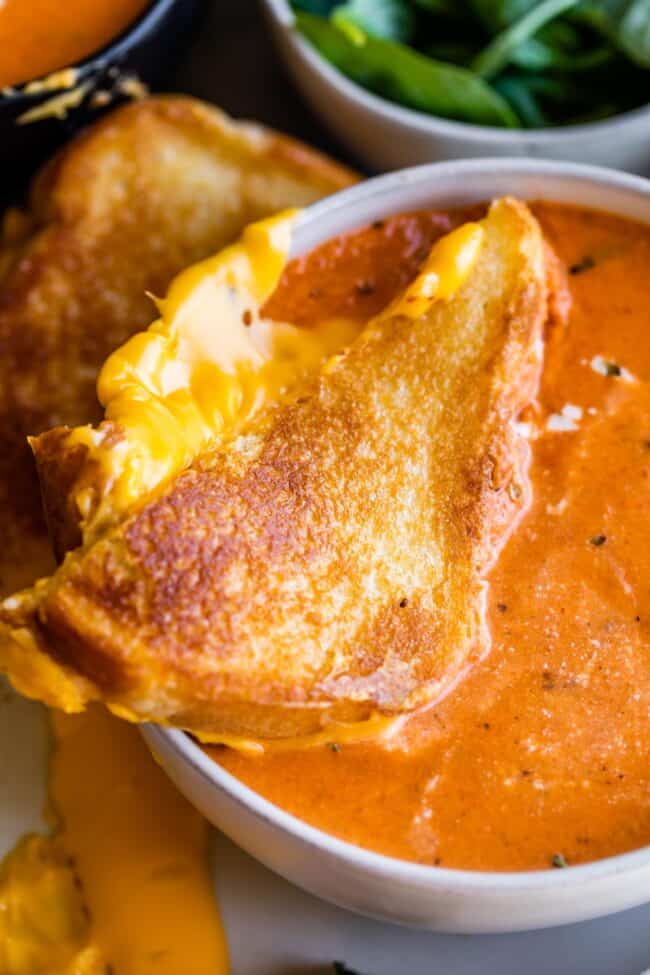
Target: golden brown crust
pixel 332 560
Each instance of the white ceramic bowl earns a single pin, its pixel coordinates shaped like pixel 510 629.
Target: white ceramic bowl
pixel 430 897
pixel 385 135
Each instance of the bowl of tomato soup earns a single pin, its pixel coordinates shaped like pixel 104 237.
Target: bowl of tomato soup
pixel 521 799
pixel 64 63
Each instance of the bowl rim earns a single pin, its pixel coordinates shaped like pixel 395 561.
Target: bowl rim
pixel 282 15
pixel 95 61
pixel 188 752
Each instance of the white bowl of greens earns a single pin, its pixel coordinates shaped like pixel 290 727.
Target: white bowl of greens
pixel 409 81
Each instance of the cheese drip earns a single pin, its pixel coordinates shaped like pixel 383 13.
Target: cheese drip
pixel 125 881
pixel 44 928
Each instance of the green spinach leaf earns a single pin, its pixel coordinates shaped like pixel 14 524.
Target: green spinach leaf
pixel 408 77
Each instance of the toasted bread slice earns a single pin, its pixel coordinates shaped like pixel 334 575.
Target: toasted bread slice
pixel 124 207
pixel 330 563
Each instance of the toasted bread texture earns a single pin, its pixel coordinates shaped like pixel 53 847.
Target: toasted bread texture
pixel 330 563
pixel 153 187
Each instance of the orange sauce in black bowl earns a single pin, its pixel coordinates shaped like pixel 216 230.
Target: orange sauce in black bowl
pixel 43 36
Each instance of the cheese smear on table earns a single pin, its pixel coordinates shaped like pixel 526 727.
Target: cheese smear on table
pixel 124 883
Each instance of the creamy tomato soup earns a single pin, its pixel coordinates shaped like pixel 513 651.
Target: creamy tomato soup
pixel 40 36
pixel 539 757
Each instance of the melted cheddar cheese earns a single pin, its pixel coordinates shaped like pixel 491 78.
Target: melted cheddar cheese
pixel 141 851
pixel 206 367
pixel 378 727
pixel 448 263
pixel 44 926
pixel 124 882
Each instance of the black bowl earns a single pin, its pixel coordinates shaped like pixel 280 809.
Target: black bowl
pixel 36 118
